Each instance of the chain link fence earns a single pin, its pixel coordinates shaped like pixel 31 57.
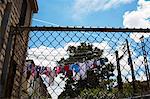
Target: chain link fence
pixel 85 63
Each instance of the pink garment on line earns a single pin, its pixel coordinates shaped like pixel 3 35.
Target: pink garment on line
pixel 48 71
pixel 58 69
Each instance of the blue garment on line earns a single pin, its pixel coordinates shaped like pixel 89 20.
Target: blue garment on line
pixel 75 67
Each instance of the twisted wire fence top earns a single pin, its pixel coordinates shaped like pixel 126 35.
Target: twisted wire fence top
pixel 82 28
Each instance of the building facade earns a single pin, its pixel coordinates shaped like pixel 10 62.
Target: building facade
pixel 37 89
pixel 13 45
pixel 33 86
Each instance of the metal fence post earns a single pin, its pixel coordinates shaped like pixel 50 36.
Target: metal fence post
pixel 145 60
pixel 131 66
pixel 119 79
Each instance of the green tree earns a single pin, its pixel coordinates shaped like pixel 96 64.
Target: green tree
pixel 99 78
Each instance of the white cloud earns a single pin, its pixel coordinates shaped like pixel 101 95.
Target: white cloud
pixel 138 18
pixel 45 56
pixel 84 7
pixel 103 45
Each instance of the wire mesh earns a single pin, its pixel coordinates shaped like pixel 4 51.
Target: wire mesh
pixel 88 63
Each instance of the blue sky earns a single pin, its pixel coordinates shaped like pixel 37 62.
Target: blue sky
pixel 71 13
pixel 101 13
pixel 114 13
pixel 61 12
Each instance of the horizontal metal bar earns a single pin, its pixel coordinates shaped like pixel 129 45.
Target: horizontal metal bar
pixel 84 29
pixel 147 96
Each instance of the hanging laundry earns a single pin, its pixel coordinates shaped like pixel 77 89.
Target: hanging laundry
pixel 94 65
pixel 30 70
pixel 51 78
pixel 43 70
pixel 62 70
pixel 48 71
pixel 66 68
pixel 74 73
pixel 53 73
pixel 99 65
pixel 29 67
pixel 75 67
pixel 50 74
pixel 76 76
pixel 33 71
pixel 83 69
pixel 38 69
pixel 58 69
pixel 89 63
pixel 70 68
pixel 69 73
pixel 75 70
pixel 98 62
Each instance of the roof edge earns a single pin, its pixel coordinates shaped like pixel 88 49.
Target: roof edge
pixel 34 5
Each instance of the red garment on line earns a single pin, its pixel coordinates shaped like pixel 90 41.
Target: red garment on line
pixel 66 68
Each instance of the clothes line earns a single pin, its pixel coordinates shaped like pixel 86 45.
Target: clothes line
pixel 76 71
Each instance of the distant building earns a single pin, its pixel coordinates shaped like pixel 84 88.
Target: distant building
pixel 33 87
pixel 13 46
pixel 26 80
pixel 38 89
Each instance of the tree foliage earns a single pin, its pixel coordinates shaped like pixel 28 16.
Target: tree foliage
pixel 99 78
pixel 99 82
